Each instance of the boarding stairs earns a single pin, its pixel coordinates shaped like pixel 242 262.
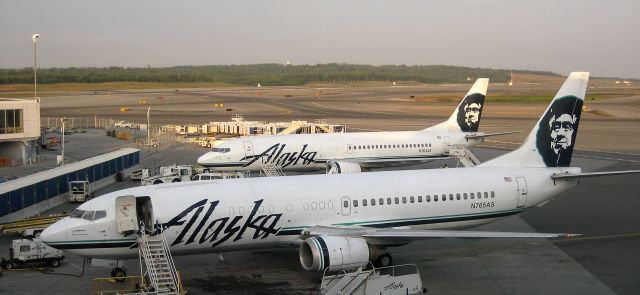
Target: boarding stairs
pixel 345 283
pixel 269 170
pixel 464 156
pixel 160 269
pixel 368 280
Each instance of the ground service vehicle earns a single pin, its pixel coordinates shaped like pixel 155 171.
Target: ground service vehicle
pixel 31 252
pixel 80 191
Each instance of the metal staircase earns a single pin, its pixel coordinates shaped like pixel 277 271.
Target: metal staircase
pixel 464 155
pixel 269 170
pixel 346 282
pixel 160 269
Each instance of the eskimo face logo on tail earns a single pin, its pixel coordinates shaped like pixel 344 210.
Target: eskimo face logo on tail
pixel 470 111
pixel 275 155
pixel 557 131
pixel 220 230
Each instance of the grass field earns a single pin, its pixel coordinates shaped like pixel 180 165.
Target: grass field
pixel 107 86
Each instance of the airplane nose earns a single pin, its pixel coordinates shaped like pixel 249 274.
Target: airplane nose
pixel 56 232
pixel 205 159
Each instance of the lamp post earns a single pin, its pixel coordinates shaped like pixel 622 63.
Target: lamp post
pixel 148 126
pixel 35 38
pixel 62 143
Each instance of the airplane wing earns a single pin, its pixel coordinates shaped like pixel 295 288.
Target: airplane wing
pixel 377 162
pixel 558 176
pixel 391 236
pixel 483 135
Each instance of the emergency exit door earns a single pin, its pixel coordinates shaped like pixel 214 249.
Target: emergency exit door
pixel 248 149
pixel 522 191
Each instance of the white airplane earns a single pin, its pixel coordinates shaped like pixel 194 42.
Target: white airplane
pixel 338 220
pixel 351 152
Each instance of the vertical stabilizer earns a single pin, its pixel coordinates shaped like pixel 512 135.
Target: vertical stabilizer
pixel 551 142
pixel 467 115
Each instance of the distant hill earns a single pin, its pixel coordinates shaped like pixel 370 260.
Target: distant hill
pixel 266 74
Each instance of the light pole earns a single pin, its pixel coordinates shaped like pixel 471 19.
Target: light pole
pixel 62 143
pixel 148 127
pixel 35 38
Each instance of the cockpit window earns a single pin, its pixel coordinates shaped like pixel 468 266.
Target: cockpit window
pixel 88 215
pixel 77 213
pixel 100 214
pixel 221 150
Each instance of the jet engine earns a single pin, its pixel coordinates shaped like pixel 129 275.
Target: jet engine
pixel 335 253
pixel 343 167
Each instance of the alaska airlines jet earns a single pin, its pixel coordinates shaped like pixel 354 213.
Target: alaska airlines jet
pixel 338 220
pixel 351 152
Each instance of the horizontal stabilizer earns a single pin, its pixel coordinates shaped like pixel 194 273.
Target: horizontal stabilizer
pixel 591 174
pixel 482 134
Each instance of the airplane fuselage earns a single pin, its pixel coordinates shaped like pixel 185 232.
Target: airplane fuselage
pixel 255 213
pixel 306 152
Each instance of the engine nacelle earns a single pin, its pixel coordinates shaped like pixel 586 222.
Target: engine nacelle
pixel 335 253
pixel 343 167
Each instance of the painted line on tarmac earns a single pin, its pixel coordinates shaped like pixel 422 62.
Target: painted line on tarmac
pixel 603 237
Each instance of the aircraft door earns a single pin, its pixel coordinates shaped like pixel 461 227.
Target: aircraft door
pixel 126 217
pixel 345 205
pixel 248 149
pixel 447 143
pixel 522 191
pixel 349 149
pixel 131 211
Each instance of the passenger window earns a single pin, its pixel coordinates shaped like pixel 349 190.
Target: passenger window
pixel 345 203
pixel 404 200
pixel 232 211
pixel 444 197
pixel 321 205
pixel 305 206
pixel 100 214
pixel 241 210
pixel 364 202
pixel 373 202
pixel 486 195
pixel 419 199
pixel 473 196
pixel 465 196
pixel 330 204
pixel 381 201
pixel 457 196
pixel 450 197
pixel 435 198
pixel 388 201
pixel 355 203
pixel 493 194
pixel 412 200
pixel 314 205
pixel 428 198
pixel 397 200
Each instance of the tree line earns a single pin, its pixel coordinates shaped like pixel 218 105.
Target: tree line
pixel 266 74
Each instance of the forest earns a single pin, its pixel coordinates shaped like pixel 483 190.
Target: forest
pixel 265 74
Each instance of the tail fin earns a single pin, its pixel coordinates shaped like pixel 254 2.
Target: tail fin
pixel 467 115
pixel 550 143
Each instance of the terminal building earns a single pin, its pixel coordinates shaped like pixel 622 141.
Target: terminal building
pixel 31 195
pixel 19 131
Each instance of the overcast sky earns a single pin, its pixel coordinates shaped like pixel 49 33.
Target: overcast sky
pixel 602 37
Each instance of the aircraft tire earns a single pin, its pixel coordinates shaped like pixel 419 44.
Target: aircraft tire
pixel 119 274
pixel 384 260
